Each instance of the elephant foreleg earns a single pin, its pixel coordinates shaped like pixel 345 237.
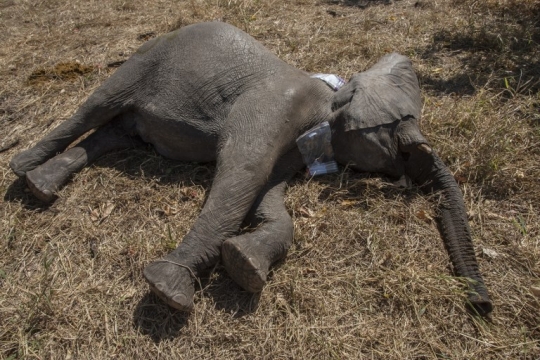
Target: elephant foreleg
pixel 47 178
pixel 173 277
pixel 257 134
pixel 241 175
pixel 248 257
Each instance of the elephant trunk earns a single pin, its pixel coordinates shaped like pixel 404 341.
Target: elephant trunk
pixel 426 169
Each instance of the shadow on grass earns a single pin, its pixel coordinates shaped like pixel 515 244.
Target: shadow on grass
pixel 362 4
pixel 18 192
pixel 157 320
pixel 359 187
pixel 153 318
pixel 135 163
pixel 228 296
pixel 500 53
pixel 146 163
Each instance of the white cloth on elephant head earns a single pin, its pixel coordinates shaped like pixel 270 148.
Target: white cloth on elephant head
pixel 334 81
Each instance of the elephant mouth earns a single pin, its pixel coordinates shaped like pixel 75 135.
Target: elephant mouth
pixel 423 147
pixel 405 156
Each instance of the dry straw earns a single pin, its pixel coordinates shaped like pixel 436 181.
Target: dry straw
pixel 367 276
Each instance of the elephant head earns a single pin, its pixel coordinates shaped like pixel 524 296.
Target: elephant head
pixel 376 130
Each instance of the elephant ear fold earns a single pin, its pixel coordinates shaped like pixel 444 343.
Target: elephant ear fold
pixel 343 96
pixel 386 92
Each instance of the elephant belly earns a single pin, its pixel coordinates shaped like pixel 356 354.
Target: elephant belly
pixel 178 140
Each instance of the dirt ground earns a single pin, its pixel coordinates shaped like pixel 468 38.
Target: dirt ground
pixel 367 277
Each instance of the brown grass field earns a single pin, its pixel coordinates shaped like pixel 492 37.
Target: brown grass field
pixel 367 277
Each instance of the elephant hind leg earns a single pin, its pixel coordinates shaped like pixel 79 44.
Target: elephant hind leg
pixel 87 118
pixel 113 98
pixel 91 115
pixel 46 179
pixel 248 257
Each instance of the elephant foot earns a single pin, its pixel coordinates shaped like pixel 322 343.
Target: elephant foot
pixel 42 184
pixel 172 282
pixel 45 180
pixel 243 264
pixel 24 162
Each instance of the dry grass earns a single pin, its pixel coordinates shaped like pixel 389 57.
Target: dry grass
pixel 367 276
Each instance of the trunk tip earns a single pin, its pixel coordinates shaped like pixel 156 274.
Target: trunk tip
pixel 480 305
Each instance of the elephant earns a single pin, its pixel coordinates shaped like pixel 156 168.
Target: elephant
pixel 209 92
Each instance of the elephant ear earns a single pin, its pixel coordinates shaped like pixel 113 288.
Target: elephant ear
pixel 386 92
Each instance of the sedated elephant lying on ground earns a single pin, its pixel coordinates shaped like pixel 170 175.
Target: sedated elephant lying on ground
pixel 211 92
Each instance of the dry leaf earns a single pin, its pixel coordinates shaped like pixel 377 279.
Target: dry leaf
pixel 108 210
pixel 167 211
pixel 490 253
pixel 281 302
pixel 460 179
pixel 94 215
pixel 424 215
pixel 189 194
pixel 496 216
pixel 306 212
pixel 348 202
pixel 101 213
pixel 309 271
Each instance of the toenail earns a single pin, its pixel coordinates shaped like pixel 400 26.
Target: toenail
pixel 180 299
pixel 253 263
pixel 160 286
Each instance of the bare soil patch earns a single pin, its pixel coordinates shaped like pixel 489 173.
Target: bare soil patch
pixel 65 71
pixel 367 277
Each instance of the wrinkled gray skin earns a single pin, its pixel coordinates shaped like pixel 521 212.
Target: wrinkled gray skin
pixel 210 92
